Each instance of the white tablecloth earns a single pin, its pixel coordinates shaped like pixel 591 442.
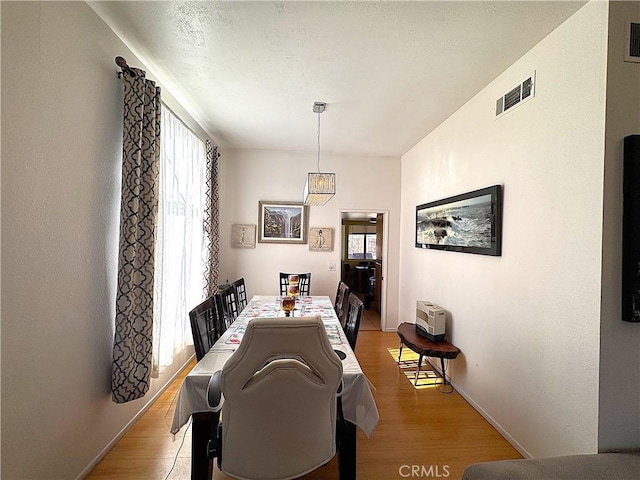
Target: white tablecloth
pixel 358 404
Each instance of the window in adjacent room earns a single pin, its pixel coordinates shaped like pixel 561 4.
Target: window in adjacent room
pixel 361 242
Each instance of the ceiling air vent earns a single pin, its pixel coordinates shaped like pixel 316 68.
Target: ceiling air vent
pixel 516 96
pixel 632 46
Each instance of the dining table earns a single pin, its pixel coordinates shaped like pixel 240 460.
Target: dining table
pixel 358 403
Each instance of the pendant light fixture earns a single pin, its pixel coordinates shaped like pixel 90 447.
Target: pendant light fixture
pixel 319 187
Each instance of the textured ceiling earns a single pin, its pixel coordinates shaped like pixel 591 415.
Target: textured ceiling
pixel 390 72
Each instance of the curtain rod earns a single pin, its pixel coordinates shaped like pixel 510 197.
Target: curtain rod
pixel 122 63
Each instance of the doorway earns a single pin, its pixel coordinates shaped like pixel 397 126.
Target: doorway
pixel 362 252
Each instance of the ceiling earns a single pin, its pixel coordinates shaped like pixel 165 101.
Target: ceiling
pixel 390 72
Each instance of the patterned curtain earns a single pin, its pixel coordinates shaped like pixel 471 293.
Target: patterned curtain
pixel 211 222
pixel 132 348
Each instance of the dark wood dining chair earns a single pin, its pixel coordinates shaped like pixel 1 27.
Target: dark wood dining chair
pixel 340 305
pixel 226 309
pixel 229 302
pixel 350 276
pixel 203 326
pixel 352 320
pixel 241 293
pixel 305 282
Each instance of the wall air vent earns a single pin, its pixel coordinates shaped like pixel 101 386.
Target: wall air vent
pixel 632 45
pixel 517 95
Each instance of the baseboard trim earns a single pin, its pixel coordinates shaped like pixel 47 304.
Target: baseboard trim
pixel 523 451
pixel 87 470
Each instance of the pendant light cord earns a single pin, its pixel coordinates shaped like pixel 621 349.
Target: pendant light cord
pixel 318 161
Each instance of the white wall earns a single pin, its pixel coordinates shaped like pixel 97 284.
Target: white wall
pixel 61 166
pixel 527 322
pixel 362 183
pixel 620 341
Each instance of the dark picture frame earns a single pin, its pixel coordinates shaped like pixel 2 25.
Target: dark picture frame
pixel 282 222
pixel 468 223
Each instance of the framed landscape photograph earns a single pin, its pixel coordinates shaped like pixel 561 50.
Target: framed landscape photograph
pixel 243 236
pixel 469 223
pixel 282 222
pixel 320 239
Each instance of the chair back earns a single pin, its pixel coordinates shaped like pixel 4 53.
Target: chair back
pixel 279 412
pixel 230 304
pixel 350 276
pixel 352 320
pixel 340 305
pixel 203 326
pixel 305 282
pixel 241 294
pixel 224 311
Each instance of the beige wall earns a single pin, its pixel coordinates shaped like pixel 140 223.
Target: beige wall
pixel 369 184
pixel 61 156
pixel 527 322
pixel 619 425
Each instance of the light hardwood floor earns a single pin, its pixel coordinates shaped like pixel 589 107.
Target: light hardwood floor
pixel 438 432
pixel 370 320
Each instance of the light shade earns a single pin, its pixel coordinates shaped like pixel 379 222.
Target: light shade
pixel 319 188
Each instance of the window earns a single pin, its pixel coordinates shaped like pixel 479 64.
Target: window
pixel 179 270
pixel 361 246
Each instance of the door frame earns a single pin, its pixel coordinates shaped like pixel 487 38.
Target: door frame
pixel 385 253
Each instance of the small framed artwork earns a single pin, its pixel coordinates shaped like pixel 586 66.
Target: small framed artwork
pixel 468 223
pixel 282 222
pixel 320 239
pixel 243 236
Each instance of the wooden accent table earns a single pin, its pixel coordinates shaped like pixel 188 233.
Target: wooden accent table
pixel 424 347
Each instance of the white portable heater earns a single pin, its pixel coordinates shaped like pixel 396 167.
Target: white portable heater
pixel 430 321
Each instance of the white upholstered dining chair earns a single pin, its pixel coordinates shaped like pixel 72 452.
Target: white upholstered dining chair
pixel 280 402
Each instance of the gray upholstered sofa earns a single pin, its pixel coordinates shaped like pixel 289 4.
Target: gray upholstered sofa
pixel 602 466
